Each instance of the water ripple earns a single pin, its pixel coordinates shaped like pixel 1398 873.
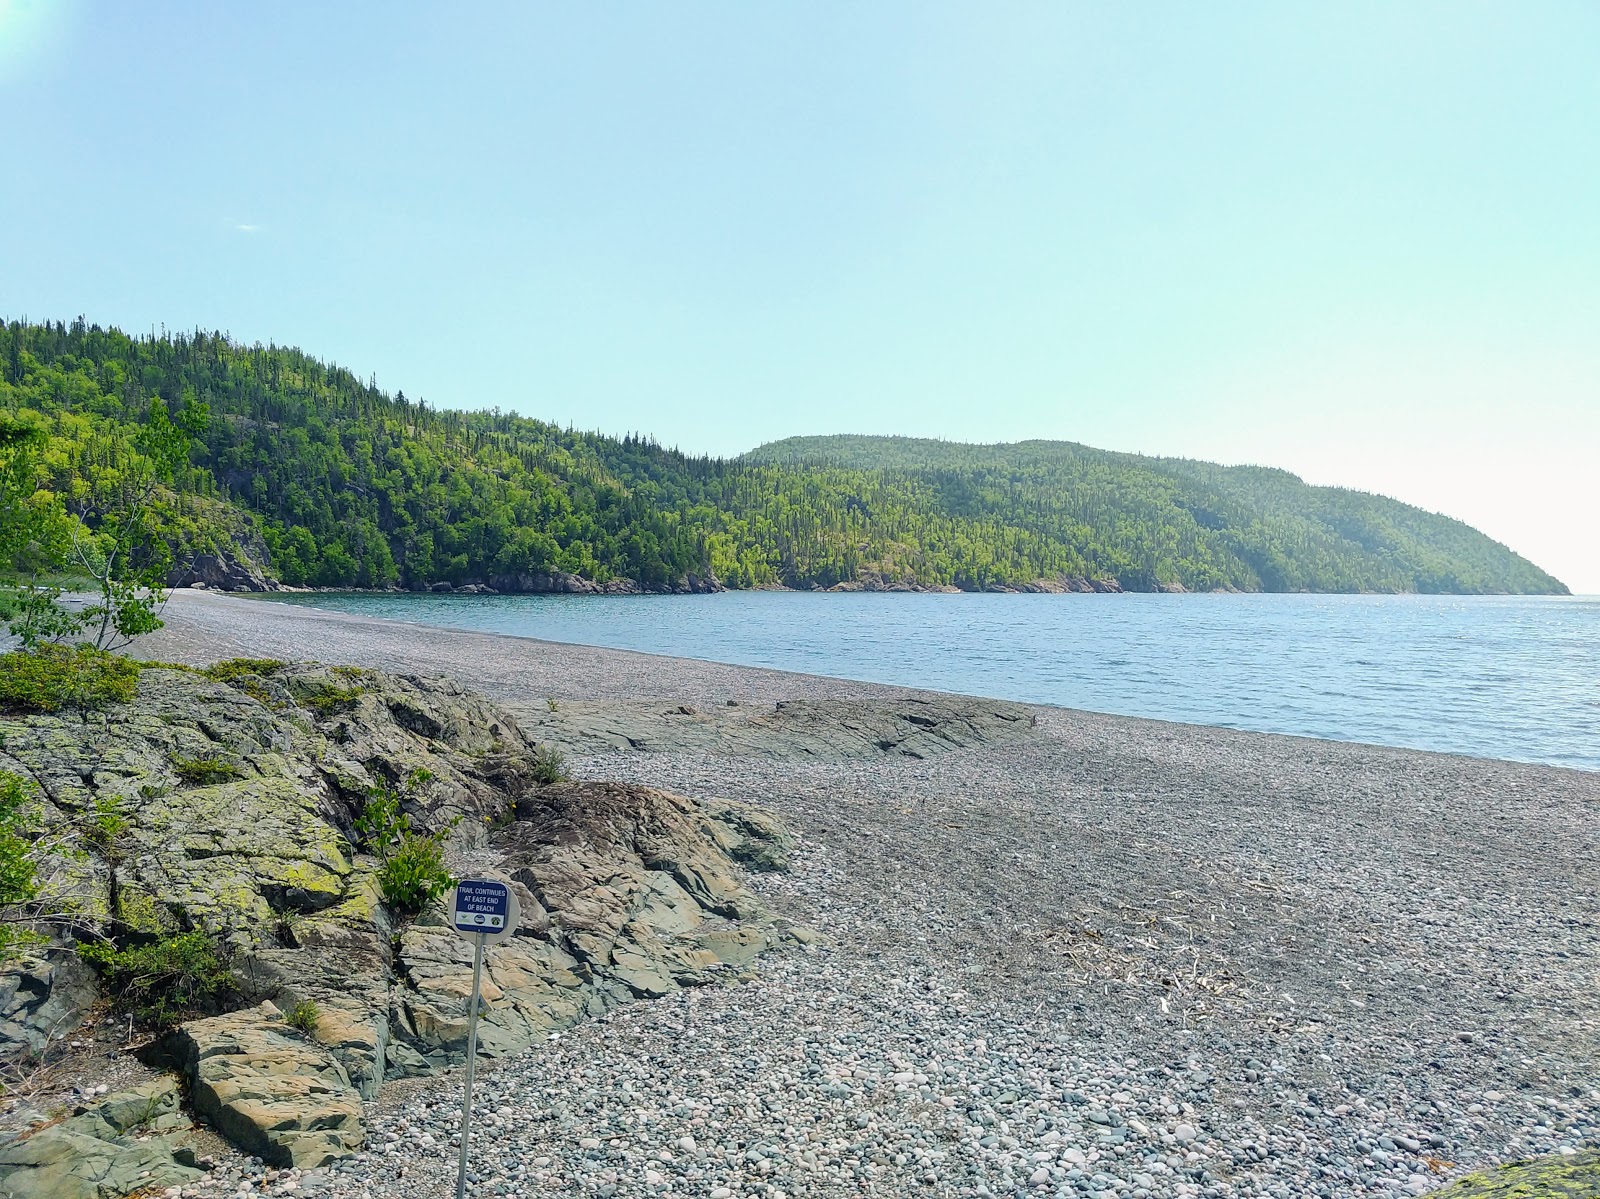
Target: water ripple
pixel 1503 677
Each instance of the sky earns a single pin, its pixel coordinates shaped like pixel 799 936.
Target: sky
pixel 1357 241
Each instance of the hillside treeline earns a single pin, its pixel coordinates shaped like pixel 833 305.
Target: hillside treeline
pixel 348 485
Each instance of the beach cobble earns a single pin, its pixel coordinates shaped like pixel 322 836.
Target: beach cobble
pixel 838 1072
pixel 1125 958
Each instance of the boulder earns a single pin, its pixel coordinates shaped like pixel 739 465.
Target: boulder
pixel 272 1091
pixel 95 1154
pixel 42 997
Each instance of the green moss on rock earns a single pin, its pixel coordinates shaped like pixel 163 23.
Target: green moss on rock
pixel 1574 1177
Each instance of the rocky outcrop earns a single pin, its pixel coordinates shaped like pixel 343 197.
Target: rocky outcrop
pixel 828 728
pixel 112 1149
pixel 1063 585
pixel 272 1091
pixel 220 548
pixel 626 892
pixel 241 789
pixel 221 571
pixel 873 581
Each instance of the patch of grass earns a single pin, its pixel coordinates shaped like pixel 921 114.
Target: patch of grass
pixel 248 675
pixel 52 677
pixel 303 1016
pixel 206 772
pixel 549 765
pixel 164 980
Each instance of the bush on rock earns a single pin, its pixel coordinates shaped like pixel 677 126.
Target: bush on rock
pixel 166 979
pixel 49 678
pixel 411 873
pixel 19 881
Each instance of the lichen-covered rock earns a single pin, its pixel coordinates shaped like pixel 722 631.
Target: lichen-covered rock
pixel 94 1155
pixel 270 1090
pixel 1564 1177
pixel 241 794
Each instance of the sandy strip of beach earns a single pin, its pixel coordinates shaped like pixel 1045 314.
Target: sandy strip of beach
pixel 1298 966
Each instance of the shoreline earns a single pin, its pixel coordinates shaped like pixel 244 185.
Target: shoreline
pixel 727 674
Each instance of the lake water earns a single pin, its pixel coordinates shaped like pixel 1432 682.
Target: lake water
pixel 1512 677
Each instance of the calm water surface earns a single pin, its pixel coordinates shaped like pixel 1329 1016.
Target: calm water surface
pixel 1512 677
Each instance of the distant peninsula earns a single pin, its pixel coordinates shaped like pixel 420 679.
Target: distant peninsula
pixel 304 475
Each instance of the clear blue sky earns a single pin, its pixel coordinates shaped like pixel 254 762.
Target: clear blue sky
pixel 1359 241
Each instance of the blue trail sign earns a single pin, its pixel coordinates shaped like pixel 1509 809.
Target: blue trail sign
pixel 481 906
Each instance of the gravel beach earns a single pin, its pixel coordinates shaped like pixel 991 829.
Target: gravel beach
pixel 1119 957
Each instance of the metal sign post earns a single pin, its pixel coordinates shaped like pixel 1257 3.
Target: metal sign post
pixel 487 911
pixel 472 1063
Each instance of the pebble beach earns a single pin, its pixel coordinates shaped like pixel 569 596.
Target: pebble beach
pixel 1117 958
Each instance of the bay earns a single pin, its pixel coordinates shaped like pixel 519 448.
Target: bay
pixel 1503 677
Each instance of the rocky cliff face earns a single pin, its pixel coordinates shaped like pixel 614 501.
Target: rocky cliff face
pixel 241 794
pixel 221 549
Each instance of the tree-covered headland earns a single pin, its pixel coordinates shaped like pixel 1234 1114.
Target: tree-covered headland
pixel 269 453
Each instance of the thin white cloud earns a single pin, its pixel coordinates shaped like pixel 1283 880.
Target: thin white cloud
pixel 247 228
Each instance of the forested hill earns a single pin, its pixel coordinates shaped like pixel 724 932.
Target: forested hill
pixel 346 485
pixel 1206 525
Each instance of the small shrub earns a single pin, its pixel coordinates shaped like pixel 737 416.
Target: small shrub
pixel 164 980
pixel 51 677
pixel 289 926
pixel 551 704
pixel 206 772
pixel 19 878
pixel 234 668
pixel 327 699
pixel 414 875
pixel 411 871
pixel 105 826
pixel 549 765
pixel 303 1016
